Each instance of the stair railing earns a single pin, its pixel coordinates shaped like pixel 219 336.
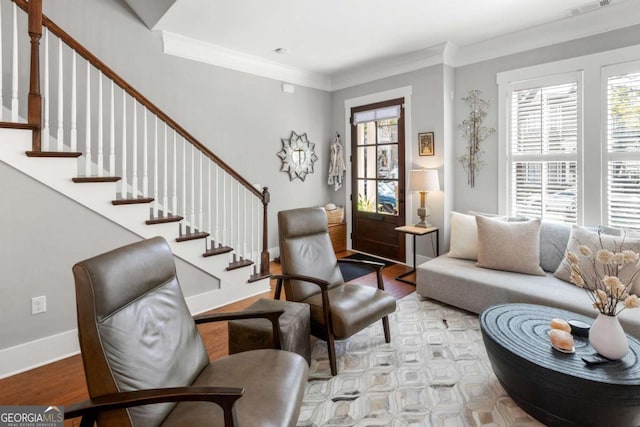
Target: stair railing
pixel 154 158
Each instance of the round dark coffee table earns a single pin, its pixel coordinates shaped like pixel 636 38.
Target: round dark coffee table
pixel 557 388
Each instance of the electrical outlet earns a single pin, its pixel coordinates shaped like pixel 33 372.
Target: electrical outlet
pixel 38 304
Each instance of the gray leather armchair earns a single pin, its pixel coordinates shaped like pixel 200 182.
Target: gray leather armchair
pixel 145 362
pixel 310 274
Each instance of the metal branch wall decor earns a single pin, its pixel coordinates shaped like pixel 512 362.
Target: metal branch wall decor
pixel 474 132
pixel 297 155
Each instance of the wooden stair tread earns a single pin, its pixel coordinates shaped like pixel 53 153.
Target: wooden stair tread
pixel 132 201
pixel 192 236
pixel 239 264
pixel 85 179
pixel 164 219
pixel 53 154
pixel 15 125
pixel 217 251
pixel 259 276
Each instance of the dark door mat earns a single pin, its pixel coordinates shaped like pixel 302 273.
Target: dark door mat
pixel 366 257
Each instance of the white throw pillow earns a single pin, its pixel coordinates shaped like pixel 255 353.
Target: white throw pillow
pixel 509 246
pixel 464 236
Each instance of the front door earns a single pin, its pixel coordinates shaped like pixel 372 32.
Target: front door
pixel 377 174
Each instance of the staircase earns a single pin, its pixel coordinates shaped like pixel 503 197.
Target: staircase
pixel 92 137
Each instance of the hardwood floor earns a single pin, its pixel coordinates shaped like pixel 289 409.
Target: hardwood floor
pixel 62 382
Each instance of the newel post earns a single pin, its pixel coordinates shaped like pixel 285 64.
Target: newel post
pixel 35 99
pixel 264 256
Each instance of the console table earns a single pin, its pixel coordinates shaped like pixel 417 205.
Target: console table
pixel 557 388
pixel 417 231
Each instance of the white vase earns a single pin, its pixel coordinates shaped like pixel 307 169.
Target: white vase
pixel 608 338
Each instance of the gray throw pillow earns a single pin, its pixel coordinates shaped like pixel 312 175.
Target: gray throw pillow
pixel 554 237
pixel 509 246
pixel 591 239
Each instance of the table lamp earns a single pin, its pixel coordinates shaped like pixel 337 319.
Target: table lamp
pixel 423 181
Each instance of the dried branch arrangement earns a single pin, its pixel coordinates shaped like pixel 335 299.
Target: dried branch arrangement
pixel 474 132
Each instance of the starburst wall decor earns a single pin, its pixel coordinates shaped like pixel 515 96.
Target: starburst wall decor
pixel 297 155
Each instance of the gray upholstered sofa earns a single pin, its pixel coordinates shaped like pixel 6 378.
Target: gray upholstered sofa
pixel 460 283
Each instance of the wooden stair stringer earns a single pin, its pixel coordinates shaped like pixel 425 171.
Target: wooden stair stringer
pixel 56 173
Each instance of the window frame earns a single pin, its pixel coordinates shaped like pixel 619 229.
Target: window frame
pixel 511 158
pixel 593 157
pixel 630 67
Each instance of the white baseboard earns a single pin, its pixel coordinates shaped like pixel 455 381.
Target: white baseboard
pixel 30 355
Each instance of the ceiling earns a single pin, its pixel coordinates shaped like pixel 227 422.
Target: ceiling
pixel 330 37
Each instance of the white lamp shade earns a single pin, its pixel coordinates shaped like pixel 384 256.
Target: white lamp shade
pixel 424 180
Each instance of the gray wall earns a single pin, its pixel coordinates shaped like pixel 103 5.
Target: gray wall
pixel 43 234
pixel 427 115
pixel 484 196
pixel 238 116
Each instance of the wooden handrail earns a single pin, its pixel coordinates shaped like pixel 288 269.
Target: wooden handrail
pixel 36 20
pixel 86 54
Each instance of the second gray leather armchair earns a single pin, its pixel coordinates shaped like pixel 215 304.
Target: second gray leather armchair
pixel 310 274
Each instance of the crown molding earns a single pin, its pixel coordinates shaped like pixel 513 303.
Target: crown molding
pixel 609 18
pixel 393 66
pixel 197 50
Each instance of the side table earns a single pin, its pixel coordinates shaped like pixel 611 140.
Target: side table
pixel 417 231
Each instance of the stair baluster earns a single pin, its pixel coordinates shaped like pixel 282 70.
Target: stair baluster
pixel 87 126
pixel 74 105
pixel 155 209
pixel 165 188
pixel 174 173
pixel 14 68
pixel 100 128
pixel 145 156
pixel 134 151
pixel 123 173
pixel 45 119
pixel 60 130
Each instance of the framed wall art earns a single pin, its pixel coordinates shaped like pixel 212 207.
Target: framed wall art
pixel 426 144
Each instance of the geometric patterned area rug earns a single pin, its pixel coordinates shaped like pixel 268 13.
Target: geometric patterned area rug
pixel 435 372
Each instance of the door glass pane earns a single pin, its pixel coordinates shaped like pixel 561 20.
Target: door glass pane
pixel 366 133
pixel 366 162
pixel 366 195
pixel 388 197
pixel 388 161
pixel 388 131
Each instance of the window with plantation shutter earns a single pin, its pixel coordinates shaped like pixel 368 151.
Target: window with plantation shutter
pixel 623 150
pixel 569 140
pixel 543 145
